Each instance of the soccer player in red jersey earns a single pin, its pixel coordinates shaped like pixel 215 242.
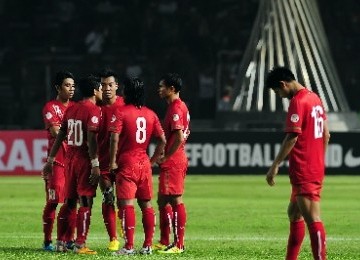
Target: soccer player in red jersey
pixel 132 128
pixel 80 125
pixel 173 166
pixel 53 113
pixel 305 143
pixel 110 102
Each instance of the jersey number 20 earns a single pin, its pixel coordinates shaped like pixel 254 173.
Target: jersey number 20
pixel 75 133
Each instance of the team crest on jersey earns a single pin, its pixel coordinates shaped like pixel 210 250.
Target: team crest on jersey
pixel 113 118
pixel 95 119
pixel 48 115
pixel 294 118
pixel 176 117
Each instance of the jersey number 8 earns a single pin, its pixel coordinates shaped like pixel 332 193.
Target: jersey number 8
pixel 140 130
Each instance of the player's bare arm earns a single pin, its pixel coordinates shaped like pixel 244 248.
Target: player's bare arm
pixel 47 169
pixel 159 150
pixel 179 139
pixel 286 146
pixel 54 130
pixel 93 147
pixel 114 140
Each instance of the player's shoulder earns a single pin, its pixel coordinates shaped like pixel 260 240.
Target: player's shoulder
pixel 50 103
pixel 119 101
pixel 149 111
pixel 71 103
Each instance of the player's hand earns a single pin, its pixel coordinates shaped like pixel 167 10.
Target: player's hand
pixel 47 171
pixel 154 164
pixel 270 175
pixel 162 160
pixel 108 196
pixel 113 168
pixel 94 175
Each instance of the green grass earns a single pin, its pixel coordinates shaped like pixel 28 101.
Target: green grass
pixel 229 217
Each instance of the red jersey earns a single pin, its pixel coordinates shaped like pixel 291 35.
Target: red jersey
pixel 306 117
pixel 82 117
pixel 136 127
pixel 53 113
pixel 107 112
pixel 177 117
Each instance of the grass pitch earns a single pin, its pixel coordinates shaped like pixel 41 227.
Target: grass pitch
pixel 229 217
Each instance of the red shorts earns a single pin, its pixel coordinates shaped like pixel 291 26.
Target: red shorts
pixel 135 181
pixel 172 177
pixel 309 190
pixel 55 185
pixel 77 179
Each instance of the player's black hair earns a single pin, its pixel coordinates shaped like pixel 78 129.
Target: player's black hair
pixel 107 72
pixel 134 91
pixel 87 85
pixel 278 74
pixel 172 79
pixel 61 75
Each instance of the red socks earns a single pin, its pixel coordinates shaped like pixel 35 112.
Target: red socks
pixel 70 232
pixel 317 237
pixel 166 219
pixel 83 224
pixel 109 216
pixel 48 218
pixel 127 215
pixel 179 224
pixel 148 220
pixel 296 236
pixel 62 222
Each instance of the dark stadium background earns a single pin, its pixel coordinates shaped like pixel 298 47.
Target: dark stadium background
pixel 186 36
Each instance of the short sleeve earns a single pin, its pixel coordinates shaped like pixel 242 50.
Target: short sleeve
pixel 94 117
pixel 294 117
pixel 176 119
pixel 50 115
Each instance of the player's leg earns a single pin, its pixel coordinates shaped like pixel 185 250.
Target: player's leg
pixel 144 194
pixel 65 223
pixel 66 218
pixel 166 220
pixel 174 180
pixel 125 192
pixel 83 225
pixel 54 188
pixel 108 210
pixel 297 231
pixel 179 220
pixel 165 209
pixel 48 217
pixel 311 211
pixel 86 193
pixel 126 214
pixel 71 224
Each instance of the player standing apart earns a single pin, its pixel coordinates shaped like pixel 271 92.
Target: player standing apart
pixel 53 113
pixel 173 167
pixel 305 143
pixel 109 83
pixel 132 128
pixel 80 125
